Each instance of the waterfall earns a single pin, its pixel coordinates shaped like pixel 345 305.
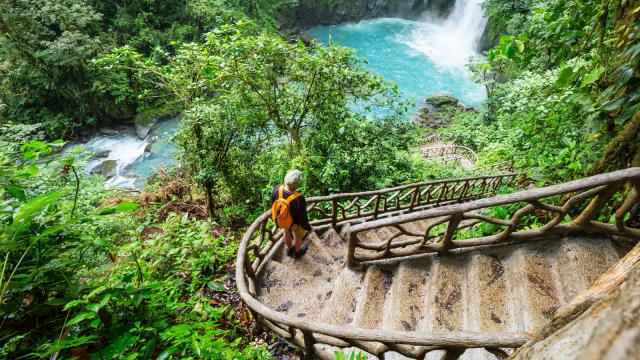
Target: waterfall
pixel 450 43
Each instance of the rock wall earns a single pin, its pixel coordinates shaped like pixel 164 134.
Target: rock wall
pixel 328 12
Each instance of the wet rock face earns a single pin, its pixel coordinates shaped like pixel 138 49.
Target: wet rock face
pixel 143 128
pixel 323 12
pixel 102 154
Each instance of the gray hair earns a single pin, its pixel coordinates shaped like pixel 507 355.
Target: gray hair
pixel 293 179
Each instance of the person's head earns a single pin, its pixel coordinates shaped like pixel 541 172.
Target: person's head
pixel 293 179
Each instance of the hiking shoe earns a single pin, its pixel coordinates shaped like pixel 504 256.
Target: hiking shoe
pixel 291 251
pixel 303 250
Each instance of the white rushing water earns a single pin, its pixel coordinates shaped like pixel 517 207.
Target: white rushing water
pixel 125 149
pixel 450 43
pixel 126 160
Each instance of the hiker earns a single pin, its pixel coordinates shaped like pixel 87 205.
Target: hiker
pixel 289 212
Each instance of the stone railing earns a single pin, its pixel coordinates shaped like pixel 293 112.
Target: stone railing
pixel 340 209
pixel 449 153
pixel 503 166
pixel 582 206
pixel 598 204
pixel 262 239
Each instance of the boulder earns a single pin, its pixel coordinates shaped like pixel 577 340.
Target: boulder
pixel 106 168
pixel 144 128
pixel 438 111
pixel 305 38
pixel 107 131
pixel 428 117
pixel 149 147
pixel 441 100
pixel 101 154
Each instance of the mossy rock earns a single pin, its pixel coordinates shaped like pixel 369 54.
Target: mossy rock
pixel 441 100
pixel 107 168
pixel 146 120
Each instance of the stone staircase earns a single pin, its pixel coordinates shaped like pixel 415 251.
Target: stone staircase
pixel 437 270
pixel 513 288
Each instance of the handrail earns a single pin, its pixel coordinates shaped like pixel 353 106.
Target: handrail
pixel 599 190
pixel 501 166
pixel 446 151
pixel 261 239
pixel 341 208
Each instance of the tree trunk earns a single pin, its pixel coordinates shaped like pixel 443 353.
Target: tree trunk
pixel 296 141
pixel 601 323
pixel 208 190
pixel 623 150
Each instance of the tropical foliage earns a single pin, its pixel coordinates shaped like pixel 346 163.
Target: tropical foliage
pixel 92 273
pixel 46 48
pixel 83 276
pixel 255 106
pixel 563 88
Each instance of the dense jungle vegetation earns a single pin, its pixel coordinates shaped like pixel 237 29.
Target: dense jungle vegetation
pixel 92 273
pixel 563 88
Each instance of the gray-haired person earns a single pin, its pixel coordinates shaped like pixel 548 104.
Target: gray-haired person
pixel 289 203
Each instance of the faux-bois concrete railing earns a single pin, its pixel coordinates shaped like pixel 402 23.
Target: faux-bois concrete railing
pixel 394 207
pixel 447 153
pixel 340 209
pixel 581 202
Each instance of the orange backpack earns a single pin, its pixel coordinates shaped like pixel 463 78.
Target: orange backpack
pixel 280 210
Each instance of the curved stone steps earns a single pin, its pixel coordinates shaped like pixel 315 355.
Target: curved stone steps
pixel 342 300
pixel 512 288
pixel 408 294
pixel 377 288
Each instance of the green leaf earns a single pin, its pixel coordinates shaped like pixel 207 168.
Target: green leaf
pixel 25 215
pixel 74 303
pixel 519 45
pixel 17 192
pixel 120 208
pixel 81 317
pixel 107 211
pixel 626 113
pixel 593 76
pixel 27 172
pixel 564 77
pixel 510 50
pixel 126 207
pixel 614 104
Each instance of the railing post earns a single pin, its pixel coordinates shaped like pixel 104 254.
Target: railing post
pixel 415 197
pixel 376 209
pixel 447 239
pixel 596 205
pixel 309 342
pixel 334 213
pixel 351 249
pixel 251 275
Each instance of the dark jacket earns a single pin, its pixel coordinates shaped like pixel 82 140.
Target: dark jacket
pixel 298 207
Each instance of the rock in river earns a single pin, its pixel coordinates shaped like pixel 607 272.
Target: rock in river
pixel 438 110
pixel 142 130
pixel 106 168
pixel 441 100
